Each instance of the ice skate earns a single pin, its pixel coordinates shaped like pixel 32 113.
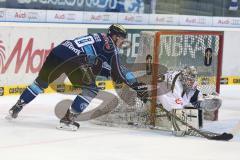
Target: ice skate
pixel 68 123
pixel 13 112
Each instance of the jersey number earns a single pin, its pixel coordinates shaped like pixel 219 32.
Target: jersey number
pixel 83 41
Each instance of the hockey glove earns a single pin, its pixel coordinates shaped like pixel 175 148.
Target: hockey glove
pixel 142 91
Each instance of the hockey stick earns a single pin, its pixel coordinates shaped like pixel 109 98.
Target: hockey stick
pixel 209 135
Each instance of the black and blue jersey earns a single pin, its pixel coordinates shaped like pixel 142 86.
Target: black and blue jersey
pixel 102 47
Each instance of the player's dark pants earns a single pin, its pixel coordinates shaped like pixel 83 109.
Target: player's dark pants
pixel 74 66
pixel 55 66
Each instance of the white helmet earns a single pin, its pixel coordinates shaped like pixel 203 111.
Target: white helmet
pixel 188 77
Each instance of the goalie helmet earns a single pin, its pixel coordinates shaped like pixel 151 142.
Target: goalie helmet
pixel 188 77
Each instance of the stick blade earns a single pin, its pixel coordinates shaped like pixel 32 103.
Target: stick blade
pixel 222 137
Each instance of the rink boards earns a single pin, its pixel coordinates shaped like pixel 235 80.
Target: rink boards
pixel 24 47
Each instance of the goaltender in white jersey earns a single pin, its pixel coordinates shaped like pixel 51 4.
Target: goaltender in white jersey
pixel 178 90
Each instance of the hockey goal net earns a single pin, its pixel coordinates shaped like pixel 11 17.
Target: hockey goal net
pixel 167 50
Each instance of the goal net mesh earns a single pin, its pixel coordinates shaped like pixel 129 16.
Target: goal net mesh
pixel 172 50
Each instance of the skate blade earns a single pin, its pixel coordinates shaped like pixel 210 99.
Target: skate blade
pixel 67 127
pixel 9 118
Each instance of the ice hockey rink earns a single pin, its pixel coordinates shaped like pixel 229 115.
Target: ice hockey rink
pixel 34 136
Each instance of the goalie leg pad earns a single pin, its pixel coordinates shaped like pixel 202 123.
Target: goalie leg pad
pixel 193 117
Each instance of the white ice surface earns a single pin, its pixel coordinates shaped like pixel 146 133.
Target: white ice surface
pixel 33 136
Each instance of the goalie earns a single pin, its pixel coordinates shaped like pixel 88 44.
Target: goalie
pixel 178 92
pixel 183 92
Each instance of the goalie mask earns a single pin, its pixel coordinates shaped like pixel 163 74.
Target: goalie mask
pixel 188 77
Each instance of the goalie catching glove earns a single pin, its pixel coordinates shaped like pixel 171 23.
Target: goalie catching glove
pixel 142 91
pixel 211 104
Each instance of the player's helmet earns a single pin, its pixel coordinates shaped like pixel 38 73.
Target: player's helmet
pixel 117 29
pixel 188 76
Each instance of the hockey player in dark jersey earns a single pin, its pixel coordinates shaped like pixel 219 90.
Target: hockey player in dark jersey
pixel 82 59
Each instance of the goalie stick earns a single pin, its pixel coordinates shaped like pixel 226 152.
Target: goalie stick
pixel 209 135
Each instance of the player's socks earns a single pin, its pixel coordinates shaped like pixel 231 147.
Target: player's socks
pixel 27 96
